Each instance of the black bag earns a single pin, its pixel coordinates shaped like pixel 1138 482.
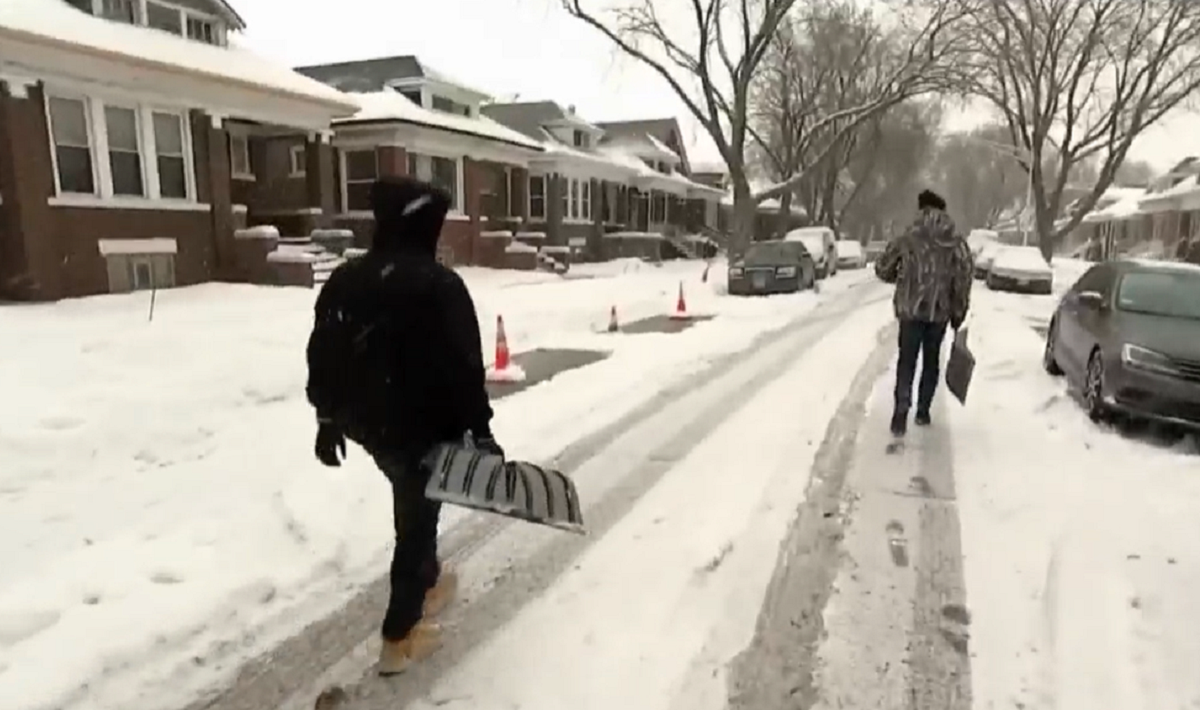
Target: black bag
pixel 463 475
pixel 960 367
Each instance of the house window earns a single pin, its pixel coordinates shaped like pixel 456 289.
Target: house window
pixel 298 160
pixel 165 18
pixel 658 207
pixel 510 191
pixel 140 272
pixel 580 139
pixel 202 30
pixel 362 169
pixel 119 10
pixel 585 200
pixel 172 158
pixel 537 197
pixel 70 133
pixel 441 103
pixel 239 157
pixel 124 151
pixel 445 176
pixel 413 96
pixel 574 198
pixel 85 5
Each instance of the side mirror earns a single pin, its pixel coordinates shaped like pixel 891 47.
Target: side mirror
pixel 1092 300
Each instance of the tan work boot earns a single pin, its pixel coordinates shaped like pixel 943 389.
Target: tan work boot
pixel 439 596
pixel 396 656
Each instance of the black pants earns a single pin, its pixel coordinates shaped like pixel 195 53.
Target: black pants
pixel 415 566
pixel 918 338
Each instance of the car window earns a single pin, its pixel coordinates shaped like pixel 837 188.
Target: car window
pixel 1098 278
pixel 773 252
pixel 1175 294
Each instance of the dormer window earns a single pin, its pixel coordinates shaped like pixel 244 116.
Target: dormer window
pixel 580 139
pixel 202 30
pixel 118 10
pixel 445 105
pixel 163 16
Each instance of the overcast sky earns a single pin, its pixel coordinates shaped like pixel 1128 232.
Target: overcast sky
pixel 529 49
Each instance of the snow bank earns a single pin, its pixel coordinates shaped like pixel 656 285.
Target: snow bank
pixel 1080 567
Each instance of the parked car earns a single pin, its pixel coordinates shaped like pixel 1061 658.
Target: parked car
pixel 983 260
pixel 850 254
pixel 1127 337
pixel 1020 269
pixel 775 266
pixel 980 238
pixel 874 249
pixel 821 244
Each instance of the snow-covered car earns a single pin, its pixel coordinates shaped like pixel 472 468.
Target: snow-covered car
pixel 1020 268
pixel 821 244
pixel 850 254
pixel 983 260
pixel 980 238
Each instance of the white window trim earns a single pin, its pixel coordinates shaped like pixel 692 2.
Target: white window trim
pixel 345 181
pixel 529 198
pixel 244 140
pixel 298 166
pixel 185 13
pixel 139 136
pixel 573 183
pixel 425 167
pixel 102 170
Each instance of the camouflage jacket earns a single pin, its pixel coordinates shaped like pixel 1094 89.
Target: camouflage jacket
pixel 932 268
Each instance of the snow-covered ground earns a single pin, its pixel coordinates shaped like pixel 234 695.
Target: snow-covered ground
pixel 1082 545
pixel 164 517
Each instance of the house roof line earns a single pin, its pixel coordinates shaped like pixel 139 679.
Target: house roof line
pixel 55 43
pixel 434 126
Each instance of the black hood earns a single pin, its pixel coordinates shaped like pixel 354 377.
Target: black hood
pixel 409 214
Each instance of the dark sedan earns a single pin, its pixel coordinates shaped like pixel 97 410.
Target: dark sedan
pixel 1127 337
pixel 772 267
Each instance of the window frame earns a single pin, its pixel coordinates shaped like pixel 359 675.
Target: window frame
pixel 540 214
pixel 585 199
pixel 103 194
pixel 343 158
pixel 298 166
pixel 422 161
pixel 140 150
pixel 234 172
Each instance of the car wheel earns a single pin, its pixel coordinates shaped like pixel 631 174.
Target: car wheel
pixel 1093 388
pixel 1049 359
pixel 991 283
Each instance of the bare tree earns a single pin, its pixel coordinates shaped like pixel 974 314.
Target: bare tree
pixel 1079 80
pixel 979 179
pixel 1134 173
pixel 709 52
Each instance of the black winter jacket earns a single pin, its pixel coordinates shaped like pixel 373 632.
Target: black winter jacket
pixel 431 372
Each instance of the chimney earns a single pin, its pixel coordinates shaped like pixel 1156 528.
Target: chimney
pixel 571 109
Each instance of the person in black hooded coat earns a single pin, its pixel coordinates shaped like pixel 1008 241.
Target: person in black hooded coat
pixel 412 376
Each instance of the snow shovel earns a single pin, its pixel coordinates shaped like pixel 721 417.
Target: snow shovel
pixel 960 367
pixel 465 476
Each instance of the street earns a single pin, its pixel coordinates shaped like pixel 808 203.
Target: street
pixel 751 544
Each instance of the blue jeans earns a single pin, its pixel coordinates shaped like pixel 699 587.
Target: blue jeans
pixel 924 339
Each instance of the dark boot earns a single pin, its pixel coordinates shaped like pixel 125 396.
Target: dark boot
pixel 922 419
pixel 899 423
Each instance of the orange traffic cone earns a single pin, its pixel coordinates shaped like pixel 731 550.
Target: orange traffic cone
pixel 502 355
pixel 613 325
pixel 680 306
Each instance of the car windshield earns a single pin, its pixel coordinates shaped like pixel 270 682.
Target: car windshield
pixel 773 253
pixel 1175 294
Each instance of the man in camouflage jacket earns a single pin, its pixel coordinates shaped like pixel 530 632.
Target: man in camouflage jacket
pixel 932 268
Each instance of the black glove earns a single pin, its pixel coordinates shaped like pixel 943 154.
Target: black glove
pixel 488 445
pixel 331 445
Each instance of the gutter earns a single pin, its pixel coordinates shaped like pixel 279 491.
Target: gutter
pixel 58 44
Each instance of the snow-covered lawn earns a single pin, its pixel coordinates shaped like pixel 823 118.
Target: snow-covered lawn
pixel 164 518
pixel 1082 545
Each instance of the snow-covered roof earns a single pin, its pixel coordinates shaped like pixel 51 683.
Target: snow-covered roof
pixel 1127 206
pixel 389 105
pixel 57 25
pixel 771 205
pixel 604 162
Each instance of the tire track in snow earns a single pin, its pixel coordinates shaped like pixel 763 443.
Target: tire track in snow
pixel 776 669
pixel 342 645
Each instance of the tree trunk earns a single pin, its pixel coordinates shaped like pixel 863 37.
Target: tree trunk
pixel 744 211
pixel 785 213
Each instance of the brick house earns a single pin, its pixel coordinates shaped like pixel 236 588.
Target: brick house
pixel 115 156
pixel 576 192
pixel 417 121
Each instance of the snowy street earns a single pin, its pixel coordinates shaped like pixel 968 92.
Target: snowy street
pixel 171 543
